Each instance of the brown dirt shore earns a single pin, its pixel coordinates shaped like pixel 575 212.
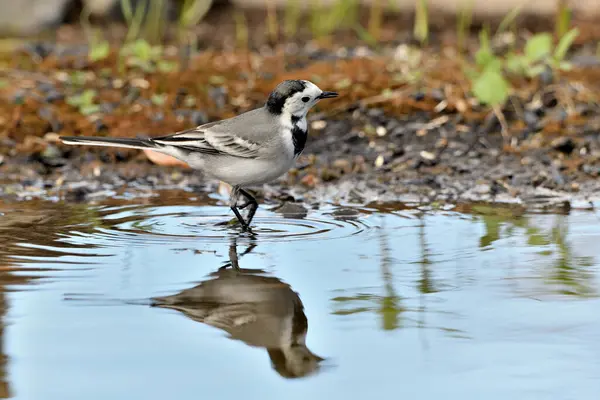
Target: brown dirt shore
pixel 406 127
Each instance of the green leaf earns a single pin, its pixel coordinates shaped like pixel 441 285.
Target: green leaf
pixel 87 97
pixel 491 88
pixel 516 63
pixel 142 50
pixel 77 78
pixel 565 43
pixel 343 84
pixel 535 70
pixel 538 46
pixel 99 51
pixel 158 99
pixel 483 57
pixel 484 39
pixel 88 109
pixel 83 99
pixel 217 79
pixel 565 66
pixel 365 36
pixel 508 19
pixel 495 64
pixel 471 73
pixel 166 66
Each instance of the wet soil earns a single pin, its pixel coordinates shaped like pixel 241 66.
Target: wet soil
pixel 406 127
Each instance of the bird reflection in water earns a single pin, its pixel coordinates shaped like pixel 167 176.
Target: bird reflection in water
pixel 251 306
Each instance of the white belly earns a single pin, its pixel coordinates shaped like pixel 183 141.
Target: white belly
pixel 245 171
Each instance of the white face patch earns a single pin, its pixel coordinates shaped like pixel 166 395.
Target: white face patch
pixel 300 103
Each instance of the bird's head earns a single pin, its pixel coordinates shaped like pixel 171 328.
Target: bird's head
pixel 296 97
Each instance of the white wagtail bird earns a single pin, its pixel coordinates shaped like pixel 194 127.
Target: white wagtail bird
pixel 252 148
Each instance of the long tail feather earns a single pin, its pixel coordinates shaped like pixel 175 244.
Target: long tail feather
pixel 109 142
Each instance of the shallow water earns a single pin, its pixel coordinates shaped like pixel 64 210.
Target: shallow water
pixel 399 302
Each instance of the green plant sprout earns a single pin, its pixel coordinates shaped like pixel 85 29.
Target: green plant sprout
pixel 508 21
pixel 563 18
pixel 141 54
pixel 241 29
pixel 489 83
pixel 291 18
pixel 84 102
pixel 99 48
pixel 421 27
pixel 375 20
pixel 192 12
pixel 272 22
pixel 325 20
pixel 463 24
pixel 539 54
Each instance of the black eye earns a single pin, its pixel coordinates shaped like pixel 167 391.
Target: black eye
pixel 305 99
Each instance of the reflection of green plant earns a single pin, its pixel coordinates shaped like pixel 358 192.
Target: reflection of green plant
pixel 570 272
pixel 425 281
pixel 387 306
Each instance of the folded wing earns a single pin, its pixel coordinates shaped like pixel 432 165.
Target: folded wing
pixel 239 137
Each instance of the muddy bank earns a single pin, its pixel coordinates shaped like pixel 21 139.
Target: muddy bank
pixel 412 159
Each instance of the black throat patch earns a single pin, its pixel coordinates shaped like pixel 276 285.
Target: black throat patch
pixel 299 137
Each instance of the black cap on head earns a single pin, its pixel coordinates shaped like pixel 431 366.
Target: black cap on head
pixel 284 90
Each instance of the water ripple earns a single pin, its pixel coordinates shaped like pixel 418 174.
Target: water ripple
pixel 210 224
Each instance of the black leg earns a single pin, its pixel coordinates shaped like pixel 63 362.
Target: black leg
pixel 233 198
pixel 252 203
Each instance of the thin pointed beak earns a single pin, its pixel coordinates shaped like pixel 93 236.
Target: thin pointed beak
pixel 328 95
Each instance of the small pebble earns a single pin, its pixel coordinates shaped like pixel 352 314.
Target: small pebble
pixel 318 125
pixel 219 96
pixel 381 131
pixel 118 83
pixel 427 155
pixel 140 83
pixel 53 96
pixel 482 189
pixel 100 126
pixel 565 145
pixel 531 119
pixel 198 117
pixel 419 96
